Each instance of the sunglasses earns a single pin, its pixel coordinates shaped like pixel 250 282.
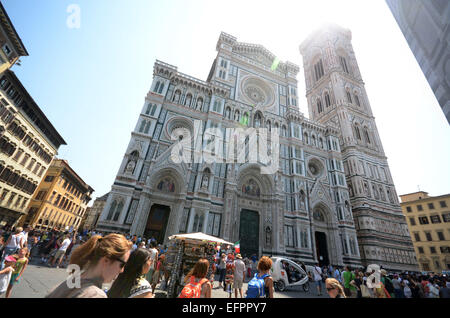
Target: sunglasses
pixel 330 289
pixel 122 262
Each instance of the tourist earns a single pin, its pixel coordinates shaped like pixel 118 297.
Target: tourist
pixel 347 277
pixel 398 290
pixel 444 290
pixel 239 275
pixel 131 283
pixel 222 270
pixel 12 245
pixel 101 259
pixel 6 273
pixel 318 279
pixel 387 282
pixel 229 274
pixel 197 285
pixel 65 241
pixel 357 282
pixel 337 275
pixel 19 268
pixel 157 274
pixel 154 255
pixel 334 288
pixel 261 285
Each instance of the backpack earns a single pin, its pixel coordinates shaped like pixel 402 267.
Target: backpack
pixel 192 289
pixel 388 285
pixel 256 287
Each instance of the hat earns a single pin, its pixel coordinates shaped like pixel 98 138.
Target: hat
pixel 10 259
pixel 239 256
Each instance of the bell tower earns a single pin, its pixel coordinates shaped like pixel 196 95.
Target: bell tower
pixel 336 96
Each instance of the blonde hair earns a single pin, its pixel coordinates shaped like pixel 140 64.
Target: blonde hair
pixel 18 230
pixel 264 264
pixel 111 246
pixel 335 283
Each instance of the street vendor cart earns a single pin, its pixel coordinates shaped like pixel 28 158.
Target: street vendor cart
pixel 183 253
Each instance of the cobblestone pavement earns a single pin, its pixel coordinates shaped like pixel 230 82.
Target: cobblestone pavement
pixel 38 280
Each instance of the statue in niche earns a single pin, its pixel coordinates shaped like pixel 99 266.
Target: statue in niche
pixel 376 194
pixel 302 197
pixel 199 103
pixel 205 181
pixel 130 167
pixel 366 188
pixel 268 236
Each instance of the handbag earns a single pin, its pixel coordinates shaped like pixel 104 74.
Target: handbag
pixel 364 291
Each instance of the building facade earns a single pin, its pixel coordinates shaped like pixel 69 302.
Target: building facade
pixel 11 46
pixel 93 213
pixel 302 210
pixel 426 27
pixel 60 201
pixel 336 96
pixel 28 142
pixel 429 224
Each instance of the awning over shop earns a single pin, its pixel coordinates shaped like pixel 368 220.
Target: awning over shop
pixel 199 236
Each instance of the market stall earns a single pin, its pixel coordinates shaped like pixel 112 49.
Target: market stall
pixel 183 253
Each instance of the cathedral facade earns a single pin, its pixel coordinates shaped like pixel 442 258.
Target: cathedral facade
pixel 304 209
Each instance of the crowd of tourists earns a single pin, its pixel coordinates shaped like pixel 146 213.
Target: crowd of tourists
pixel 133 267
pixel 357 283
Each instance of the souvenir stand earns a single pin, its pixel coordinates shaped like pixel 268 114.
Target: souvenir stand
pixel 183 253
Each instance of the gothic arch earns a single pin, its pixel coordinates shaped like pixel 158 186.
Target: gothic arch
pixel 322 214
pixel 252 171
pixel 172 173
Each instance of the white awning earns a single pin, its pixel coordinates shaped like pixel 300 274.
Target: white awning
pixel 199 236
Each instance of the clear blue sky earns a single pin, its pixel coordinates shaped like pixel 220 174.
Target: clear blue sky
pixel 91 82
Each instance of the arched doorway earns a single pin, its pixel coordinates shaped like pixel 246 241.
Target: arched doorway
pixel 321 220
pixel 249 233
pixel 321 248
pixel 157 222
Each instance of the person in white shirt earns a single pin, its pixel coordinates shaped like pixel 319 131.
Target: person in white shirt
pixel 239 275
pixel 13 244
pixel 318 278
pixel 62 250
pixel 6 273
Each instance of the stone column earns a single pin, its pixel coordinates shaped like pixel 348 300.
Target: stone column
pixel 140 220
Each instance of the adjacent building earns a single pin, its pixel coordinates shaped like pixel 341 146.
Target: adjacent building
pixel 28 143
pixel 93 213
pixel 11 46
pixel 426 27
pixel 60 201
pixel 429 224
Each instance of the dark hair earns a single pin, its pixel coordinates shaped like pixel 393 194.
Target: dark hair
pixel 132 271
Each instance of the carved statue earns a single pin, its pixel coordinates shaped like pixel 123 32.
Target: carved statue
pixel 205 181
pixel 199 103
pixel 130 167
pixel 268 236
